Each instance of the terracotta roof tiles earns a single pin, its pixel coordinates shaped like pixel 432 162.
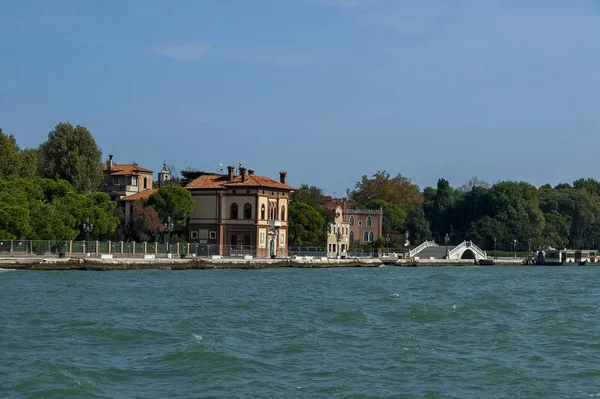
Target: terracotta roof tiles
pixel 215 182
pixel 141 195
pixel 125 169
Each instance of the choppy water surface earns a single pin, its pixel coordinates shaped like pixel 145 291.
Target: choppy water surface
pixel 472 332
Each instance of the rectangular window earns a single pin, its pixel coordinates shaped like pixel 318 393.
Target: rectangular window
pixel 194 235
pixel 282 239
pixel 213 235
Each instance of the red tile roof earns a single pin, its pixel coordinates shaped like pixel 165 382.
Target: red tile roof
pixel 214 182
pixel 141 195
pixel 125 169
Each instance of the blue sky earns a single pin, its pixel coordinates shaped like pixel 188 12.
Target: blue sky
pixel 328 90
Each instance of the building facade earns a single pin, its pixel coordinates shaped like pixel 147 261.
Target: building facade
pixel 240 213
pixel 338 236
pixel 122 180
pixel 366 225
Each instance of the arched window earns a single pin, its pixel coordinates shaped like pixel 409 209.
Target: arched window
pixel 234 211
pixel 371 237
pixel 283 213
pixel 272 211
pixel 145 183
pixel 262 211
pixel 369 221
pixel 351 220
pixel 351 237
pixel 366 236
pixel 247 211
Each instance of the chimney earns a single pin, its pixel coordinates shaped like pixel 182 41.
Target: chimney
pixel 110 161
pixel 282 177
pixel 243 173
pixel 230 170
pixel 250 172
pixel 344 204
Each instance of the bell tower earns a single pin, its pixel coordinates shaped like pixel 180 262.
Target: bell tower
pixel 163 176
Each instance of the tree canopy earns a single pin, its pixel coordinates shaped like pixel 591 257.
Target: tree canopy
pixel 397 190
pixel 71 154
pixel 172 201
pixel 44 209
pixel 305 225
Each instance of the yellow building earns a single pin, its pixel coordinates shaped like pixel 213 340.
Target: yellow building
pixel 242 214
pixel 338 236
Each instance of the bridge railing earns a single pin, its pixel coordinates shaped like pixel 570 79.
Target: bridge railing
pixel 460 248
pixel 421 247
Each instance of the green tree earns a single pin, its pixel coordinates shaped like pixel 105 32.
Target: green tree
pixel 472 183
pixel 443 205
pixel 517 206
pixel 397 190
pixel 592 186
pixel 394 220
pixel 10 161
pixel 311 195
pixel 305 225
pixel 71 154
pixel 417 224
pixel 556 231
pixel 44 209
pixel 30 163
pixel 174 201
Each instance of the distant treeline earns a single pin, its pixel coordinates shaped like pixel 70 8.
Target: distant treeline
pixel 509 215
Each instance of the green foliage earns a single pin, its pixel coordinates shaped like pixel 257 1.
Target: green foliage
pixel 305 225
pixel 394 220
pixel 516 205
pixel 174 201
pixel 71 154
pixel 442 208
pixel 397 190
pixel 43 209
pixel 591 186
pixel 30 163
pixel 417 224
pixel 10 160
pixel 310 195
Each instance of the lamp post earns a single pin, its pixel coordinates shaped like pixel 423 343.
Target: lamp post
pixel 529 246
pixel 338 237
pixel 446 239
pixel 168 228
pixel 515 247
pixel 495 253
pixel 87 227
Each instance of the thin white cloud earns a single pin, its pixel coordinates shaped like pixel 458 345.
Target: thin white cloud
pixel 182 52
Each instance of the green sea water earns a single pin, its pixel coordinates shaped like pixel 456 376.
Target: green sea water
pixel 470 332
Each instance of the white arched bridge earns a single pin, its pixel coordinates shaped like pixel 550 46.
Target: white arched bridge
pixel 464 250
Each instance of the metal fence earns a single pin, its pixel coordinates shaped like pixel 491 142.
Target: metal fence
pixel 139 249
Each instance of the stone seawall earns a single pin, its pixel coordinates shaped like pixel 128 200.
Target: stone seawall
pixel 96 264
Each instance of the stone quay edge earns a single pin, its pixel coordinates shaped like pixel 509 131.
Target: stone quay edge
pixel 96 264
